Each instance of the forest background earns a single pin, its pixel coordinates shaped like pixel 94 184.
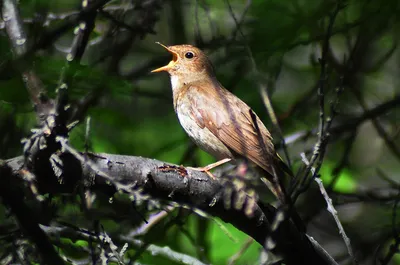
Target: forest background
pixel 76 87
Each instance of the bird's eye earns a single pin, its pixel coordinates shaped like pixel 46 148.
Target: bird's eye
pixel 189 55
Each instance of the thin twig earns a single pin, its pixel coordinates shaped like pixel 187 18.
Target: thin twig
pixel 78 47
pixel 87 132
pixel 240 21
pixel 323 132
pixel 122 24
pixel 391 145
pixel 152 221
pixel 321 250
pixel 166 252
pixel 332 210
pixel 379 110
pixel 232 260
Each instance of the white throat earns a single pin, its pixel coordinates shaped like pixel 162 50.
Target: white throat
pixel 174 82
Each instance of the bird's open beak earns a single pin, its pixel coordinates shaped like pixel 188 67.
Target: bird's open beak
pixel 171 63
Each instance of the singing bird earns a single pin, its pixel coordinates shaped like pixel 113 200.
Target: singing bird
pixel 218 121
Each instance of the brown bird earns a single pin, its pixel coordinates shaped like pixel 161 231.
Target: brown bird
pixel 218 121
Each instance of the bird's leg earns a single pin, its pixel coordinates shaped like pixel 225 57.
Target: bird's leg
pixel 207 168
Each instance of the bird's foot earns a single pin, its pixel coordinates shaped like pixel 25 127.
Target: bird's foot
pixel 207 168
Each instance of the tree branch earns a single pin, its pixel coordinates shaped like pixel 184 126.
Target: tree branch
pixel 18 41
pixel 189 187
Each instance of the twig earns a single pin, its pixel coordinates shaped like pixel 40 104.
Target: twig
pixel 166 252
pixel 332 210
pixel 342 29
pixel 81 108
pixel 79 233
pixel 240 21
pixel 392 146
pixel 321 250
pixel 152 220
pixel 122 24
pixel 87 132
pixel 165 226
pixel 106 239
pixel 78 47
pixel 374 195
pixel 82 32
pixel 241 251
pixel 381 109
pixel 323 131
pixel 352 124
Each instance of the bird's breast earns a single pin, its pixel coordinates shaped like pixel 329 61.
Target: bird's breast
pixel 202 137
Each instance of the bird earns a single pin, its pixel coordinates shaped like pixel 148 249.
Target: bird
pixel 217 121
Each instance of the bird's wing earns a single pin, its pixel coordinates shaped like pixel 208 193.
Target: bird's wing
pixel 235 124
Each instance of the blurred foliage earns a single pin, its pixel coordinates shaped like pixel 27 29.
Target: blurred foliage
pixel 134 113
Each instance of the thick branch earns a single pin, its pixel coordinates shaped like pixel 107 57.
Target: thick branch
pixel 192 188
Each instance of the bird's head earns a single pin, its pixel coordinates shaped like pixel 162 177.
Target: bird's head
pixel 188 64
